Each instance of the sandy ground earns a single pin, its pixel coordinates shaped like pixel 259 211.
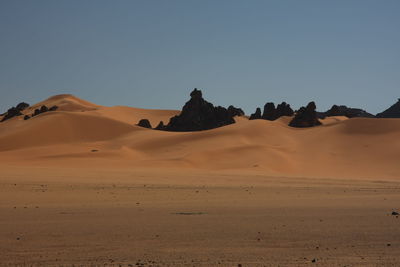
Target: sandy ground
pixel 171 218
pixel 85 186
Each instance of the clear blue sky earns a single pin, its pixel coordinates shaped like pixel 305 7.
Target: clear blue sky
pixel 151 53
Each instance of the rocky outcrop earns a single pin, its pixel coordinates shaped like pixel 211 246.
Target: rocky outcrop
pixel 43 109
pixel 144 123
pixel 21 106
pixel 198 114
pixel 284 109
pixel 11 113
pixel 233 111
pixel 271 113
pixel 15 111
pixel 256 115
pixel 305 117
pixel 345 111
pixel 392 112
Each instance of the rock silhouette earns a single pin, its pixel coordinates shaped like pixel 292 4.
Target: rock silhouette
pixel 392 112
pixel 15 111
pixel 11 113
pixel 43 109
pixel 271 113
pixel 345 111
pixel 233 111
pixel 305 117
pixel 256 115
pixel 198 114
pixel 284 109
pixel 144 123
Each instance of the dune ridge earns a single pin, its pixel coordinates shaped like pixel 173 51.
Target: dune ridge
pixel 80 132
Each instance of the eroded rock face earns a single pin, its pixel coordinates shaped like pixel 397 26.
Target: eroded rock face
pixel 345 111
pixel 392 112
pixel 198 114
pixel 144 123
pixel 305 117
pixel 256 115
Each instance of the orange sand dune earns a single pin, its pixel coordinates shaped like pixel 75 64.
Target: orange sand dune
pixel 358 148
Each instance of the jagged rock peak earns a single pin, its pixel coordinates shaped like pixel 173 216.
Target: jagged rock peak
pixel 198 114
pixel 256 115
pixel 305 117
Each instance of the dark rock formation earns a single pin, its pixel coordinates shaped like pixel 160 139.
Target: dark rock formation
pixel 53 108
pixel 15 111
pixel 392 112
pixel 26 117
pixel 144 123
pixel 11 113
pixel 160 126
pixel 233 111
pixel 21 106
pixel 345 111
pixel 256 115
pixel 43 109
pixel 198 114
pixel 305 117
pixel 284 109
pixel 269 112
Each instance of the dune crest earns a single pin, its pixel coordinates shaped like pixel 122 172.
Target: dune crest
pixel 340 147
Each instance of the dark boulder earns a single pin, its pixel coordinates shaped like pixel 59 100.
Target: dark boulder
pixel 198 114
pixel 36 112
pixel 43 109
pixel 26 117
pixel 11 113
pixel 256 115
pixel 21 106
pixel 392 112
pixel 233 111
pixel 269 112
pixel 53 108
pixel 305 117
pixel 342 110
pixel 144 123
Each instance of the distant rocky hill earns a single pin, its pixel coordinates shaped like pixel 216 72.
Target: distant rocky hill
pixel 392 112
pixel 198 114
pixel 345 111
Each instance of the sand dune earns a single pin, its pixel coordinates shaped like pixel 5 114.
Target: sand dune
pixel 341 147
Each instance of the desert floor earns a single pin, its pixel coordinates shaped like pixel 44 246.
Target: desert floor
pixel 77 216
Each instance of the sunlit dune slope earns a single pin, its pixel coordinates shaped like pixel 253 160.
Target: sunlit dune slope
pixel 82 134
